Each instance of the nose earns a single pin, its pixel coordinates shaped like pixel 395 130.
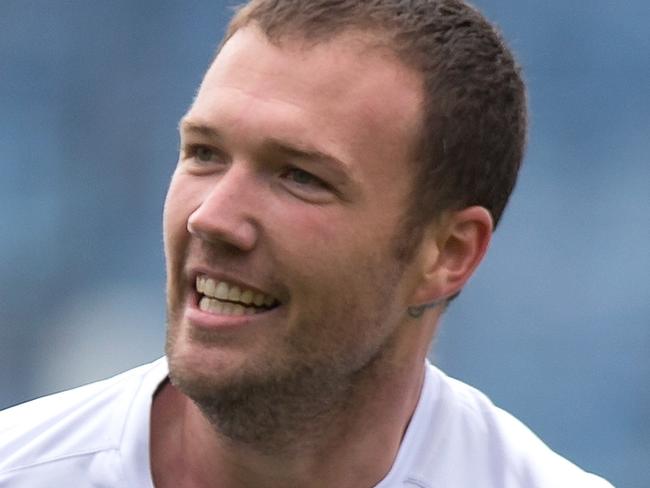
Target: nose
pixel 226 212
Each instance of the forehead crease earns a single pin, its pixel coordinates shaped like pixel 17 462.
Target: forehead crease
pixel 231 109
pixel 340 83
pixel 346 60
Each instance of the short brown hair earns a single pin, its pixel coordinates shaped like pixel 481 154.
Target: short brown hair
pixel 474 114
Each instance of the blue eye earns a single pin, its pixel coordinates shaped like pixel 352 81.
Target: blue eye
pixel 302 177
pixel 204 154
pixel 305 186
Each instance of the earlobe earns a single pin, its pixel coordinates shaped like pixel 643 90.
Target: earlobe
pixel 457 246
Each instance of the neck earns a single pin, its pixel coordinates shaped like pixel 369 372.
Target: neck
pixel 353 444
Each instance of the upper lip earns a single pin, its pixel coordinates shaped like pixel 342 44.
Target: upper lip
pixel 230 279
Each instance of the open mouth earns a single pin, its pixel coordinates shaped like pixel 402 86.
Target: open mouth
pixel 223 298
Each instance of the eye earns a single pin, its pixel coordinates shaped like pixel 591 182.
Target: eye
pixel 304 179
pixel 202 158
pixel 306 186
pixel 204 154
pixel 201 154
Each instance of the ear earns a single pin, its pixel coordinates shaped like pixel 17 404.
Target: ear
pixel 451 250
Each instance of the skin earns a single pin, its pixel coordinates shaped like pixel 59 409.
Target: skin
pixel 281 190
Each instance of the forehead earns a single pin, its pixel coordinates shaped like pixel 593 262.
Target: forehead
pixel 347 92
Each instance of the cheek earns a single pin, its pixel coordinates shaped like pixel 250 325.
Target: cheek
pixel 177 209
pixel 337 243
pixel 314 245
pixel 330 255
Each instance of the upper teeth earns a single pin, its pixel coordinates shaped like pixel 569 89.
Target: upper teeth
pixel 226 291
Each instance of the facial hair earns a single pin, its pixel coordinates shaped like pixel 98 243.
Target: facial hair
pixel 273 413
pixel 293 401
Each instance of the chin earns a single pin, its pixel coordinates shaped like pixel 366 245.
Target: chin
pixel 203 371
pixel 195 378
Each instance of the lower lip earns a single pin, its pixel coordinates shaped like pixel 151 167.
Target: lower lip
pixel 206 320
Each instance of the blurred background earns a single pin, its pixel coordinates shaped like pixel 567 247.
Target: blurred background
pixel 555 327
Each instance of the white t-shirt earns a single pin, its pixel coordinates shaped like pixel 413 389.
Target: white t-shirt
pixel 98 436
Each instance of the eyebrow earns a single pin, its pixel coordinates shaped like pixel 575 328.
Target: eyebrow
pixel 296 151
pixel 273 146
pixel 188 126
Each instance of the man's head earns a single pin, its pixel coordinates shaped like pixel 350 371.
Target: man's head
pixel 296 175
pixel 473 131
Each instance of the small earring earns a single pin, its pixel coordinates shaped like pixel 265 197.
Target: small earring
pixel 416 311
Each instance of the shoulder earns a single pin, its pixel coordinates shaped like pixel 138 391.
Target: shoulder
pixel 467 441
pixel 72 425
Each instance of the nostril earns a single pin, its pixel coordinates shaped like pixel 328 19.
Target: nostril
pixel 234 236
pixel 191 223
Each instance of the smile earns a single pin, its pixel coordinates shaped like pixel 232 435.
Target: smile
pixel 223 298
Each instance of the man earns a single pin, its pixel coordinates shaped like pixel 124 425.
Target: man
pixel 341 171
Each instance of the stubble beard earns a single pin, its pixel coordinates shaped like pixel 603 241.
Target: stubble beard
pixel 292 404
pixel 274 413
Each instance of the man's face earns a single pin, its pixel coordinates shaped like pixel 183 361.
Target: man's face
pixel 293 177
